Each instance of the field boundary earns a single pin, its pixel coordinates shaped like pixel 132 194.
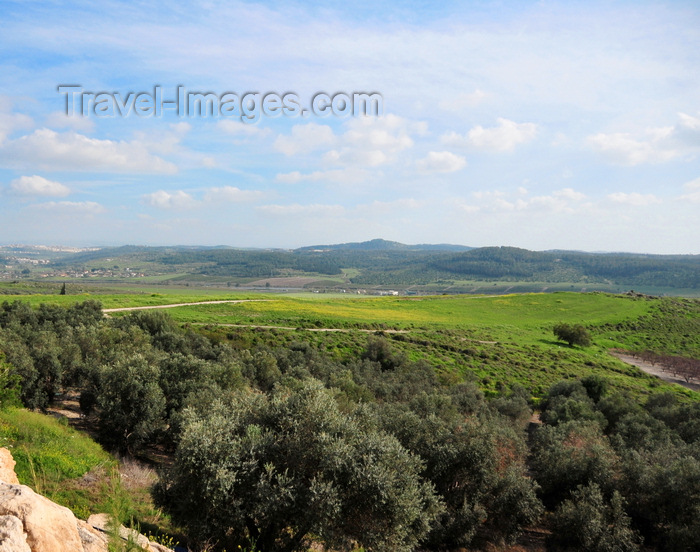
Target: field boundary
pixel 655 370
pixel 174 305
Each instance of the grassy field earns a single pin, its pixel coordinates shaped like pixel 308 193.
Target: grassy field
pixel 503 317
pixel 496 340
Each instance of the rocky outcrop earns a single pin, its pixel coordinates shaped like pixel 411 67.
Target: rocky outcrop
pixel 12 535
pixel 7 467
pixel 30 522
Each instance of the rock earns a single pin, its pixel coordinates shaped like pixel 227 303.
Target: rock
pixel 92 539
pixel 7 467
pixel 102 522
pixel 30 522
pixel 49 527
pixel 12 536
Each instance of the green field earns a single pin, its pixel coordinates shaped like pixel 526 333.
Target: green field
pixel 366 350
pixel 507 316
pixel 493 340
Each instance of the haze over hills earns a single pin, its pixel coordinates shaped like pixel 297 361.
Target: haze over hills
pixel 375 263
pixel 384 245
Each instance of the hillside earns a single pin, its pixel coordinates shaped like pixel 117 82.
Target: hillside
pixel 377 264
pixel 290 422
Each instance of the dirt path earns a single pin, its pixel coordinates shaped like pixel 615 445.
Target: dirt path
pixel 655 370
pixel 173 305
pixel 257 326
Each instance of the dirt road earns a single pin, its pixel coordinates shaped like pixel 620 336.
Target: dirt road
pixel 655 370
pixel 172 306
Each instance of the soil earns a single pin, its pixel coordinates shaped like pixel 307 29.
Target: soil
pixel 173 305
pixel 655 370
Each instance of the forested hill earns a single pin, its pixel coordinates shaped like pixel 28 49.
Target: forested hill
pixel 514 263
pixel 384 245
pixel 380 262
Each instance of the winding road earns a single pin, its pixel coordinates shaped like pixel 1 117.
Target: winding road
pixel 173 305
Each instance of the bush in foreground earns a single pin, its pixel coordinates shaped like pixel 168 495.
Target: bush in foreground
pixel 589 523
pixel 270 471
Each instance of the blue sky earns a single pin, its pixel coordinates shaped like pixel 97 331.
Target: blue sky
pixel 567 125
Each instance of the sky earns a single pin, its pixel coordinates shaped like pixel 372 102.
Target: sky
pixel 542 125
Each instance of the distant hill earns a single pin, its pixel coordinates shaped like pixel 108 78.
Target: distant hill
pixel 385 245
pixel 388 263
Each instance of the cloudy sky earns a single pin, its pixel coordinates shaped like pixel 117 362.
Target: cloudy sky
pixel 551 124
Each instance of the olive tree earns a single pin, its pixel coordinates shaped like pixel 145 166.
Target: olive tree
pixel 129 403
pixel 271 470
pixel 573 334
pixel 587 522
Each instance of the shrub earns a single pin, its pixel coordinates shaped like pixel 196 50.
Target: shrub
pixel 588 523
pixel 273 470
pixel 571 454
pixel 573 334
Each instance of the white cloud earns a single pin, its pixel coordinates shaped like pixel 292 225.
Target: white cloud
pixel 566 200
pixel 296 209
pixel 633 198
pixel 441 162
pixel 692 185
pixel 49 150
pixel 169 200
pixel 467 208
pixel 166 141
pixel 654 145
pixel 504 137
pixel 295 176
pixel 241 129
pixel 232 194
pixel 334 176
pixel 38 186
pixel 463 101
pixel 390 133
pixel 359 156
pixel 569 193
pixel 693 195
pixel 9 122
pixel 627 149
pixel 305 139
pixel 72 207
pixel 688 129
pixel 387 207
pixel 374 141
pixel 59 119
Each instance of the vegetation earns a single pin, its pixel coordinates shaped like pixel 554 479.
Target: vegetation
pixel 614 470
pixel 377 263
pixel 270 471
pixel 403 428
pixel 59 462
pixel 574 334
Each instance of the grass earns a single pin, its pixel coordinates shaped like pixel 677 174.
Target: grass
pixel 71 469
pixel 495 340
pixel 56 460
pixel 503 317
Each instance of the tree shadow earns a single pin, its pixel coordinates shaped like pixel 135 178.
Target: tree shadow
pixel 555 342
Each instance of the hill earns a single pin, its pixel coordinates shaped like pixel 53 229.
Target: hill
pixel 425 268
pixel 384 245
